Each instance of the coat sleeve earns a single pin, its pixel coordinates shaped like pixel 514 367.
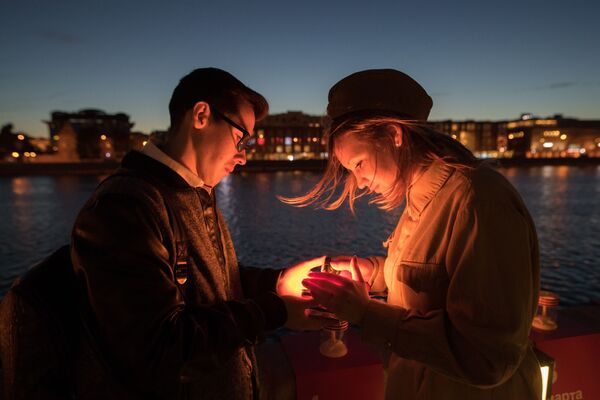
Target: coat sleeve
pixel 481 336
pixel 119 254
pixel 257 281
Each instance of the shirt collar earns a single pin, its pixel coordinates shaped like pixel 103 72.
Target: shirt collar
pixel 425 187
pixel 152 151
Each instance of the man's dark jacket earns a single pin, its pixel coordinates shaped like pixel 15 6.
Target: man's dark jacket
pixel 162 339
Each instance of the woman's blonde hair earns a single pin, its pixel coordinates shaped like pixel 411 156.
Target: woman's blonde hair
pixel 421 145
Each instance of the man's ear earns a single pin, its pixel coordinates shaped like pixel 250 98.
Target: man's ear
pixel 200 114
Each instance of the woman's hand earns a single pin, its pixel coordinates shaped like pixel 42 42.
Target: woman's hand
pixel 345 297
pixel 342 263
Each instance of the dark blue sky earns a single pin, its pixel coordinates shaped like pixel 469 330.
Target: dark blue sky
pixel 481 59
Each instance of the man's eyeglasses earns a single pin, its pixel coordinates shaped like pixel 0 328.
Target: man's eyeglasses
pixel 247 141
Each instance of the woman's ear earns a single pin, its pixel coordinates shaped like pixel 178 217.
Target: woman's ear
pixel 397 135
pixel 200 114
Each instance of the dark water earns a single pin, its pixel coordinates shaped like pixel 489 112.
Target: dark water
pixel 37 213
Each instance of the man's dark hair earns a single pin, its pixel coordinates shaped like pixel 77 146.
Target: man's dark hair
pixel 218 88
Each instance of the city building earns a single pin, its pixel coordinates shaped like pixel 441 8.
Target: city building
pixel 295 135
pixel 16 146
pixel 483 138
pixel 90 135
pixel 527 137
pixel 93 135
pixel 554 137
pixel 289 136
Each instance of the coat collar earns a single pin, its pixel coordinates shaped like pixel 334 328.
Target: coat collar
pixel 146 165
pixel 425 187
pixel 151 150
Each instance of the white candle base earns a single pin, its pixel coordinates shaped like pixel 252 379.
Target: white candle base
pixel 333 348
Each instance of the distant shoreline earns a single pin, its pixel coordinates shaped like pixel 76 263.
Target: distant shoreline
pixel 103 168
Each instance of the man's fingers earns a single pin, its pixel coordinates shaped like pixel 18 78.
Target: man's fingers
pixel 356 274
pixel 309 303
pixel 315 323
pixel 315 262
pixel 340 263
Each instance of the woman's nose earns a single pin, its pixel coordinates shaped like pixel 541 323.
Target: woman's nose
pixel 361 182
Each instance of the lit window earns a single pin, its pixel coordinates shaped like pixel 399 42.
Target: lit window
pixel 516 135
pixel 551 133
pixel 545 122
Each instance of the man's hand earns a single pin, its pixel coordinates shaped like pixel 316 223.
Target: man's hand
pixel 298 318
pixel 290 282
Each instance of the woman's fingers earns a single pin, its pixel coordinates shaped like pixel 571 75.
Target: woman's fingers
pixel 356 274
pixel 322 291
pixel 337 280
pixel 346 274
pixel 319 288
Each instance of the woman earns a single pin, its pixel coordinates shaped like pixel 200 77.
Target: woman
pixel 462 265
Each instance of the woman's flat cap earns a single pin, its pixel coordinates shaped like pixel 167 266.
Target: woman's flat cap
pixel 374 90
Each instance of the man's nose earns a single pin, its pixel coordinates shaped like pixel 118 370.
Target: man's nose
pixel 240 158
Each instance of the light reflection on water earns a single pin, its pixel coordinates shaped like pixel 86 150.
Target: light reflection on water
pixel 37 214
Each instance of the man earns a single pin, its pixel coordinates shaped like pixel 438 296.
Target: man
pixel 168 316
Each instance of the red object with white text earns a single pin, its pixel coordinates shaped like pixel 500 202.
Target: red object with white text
pixel 356 376
pixel 575 347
